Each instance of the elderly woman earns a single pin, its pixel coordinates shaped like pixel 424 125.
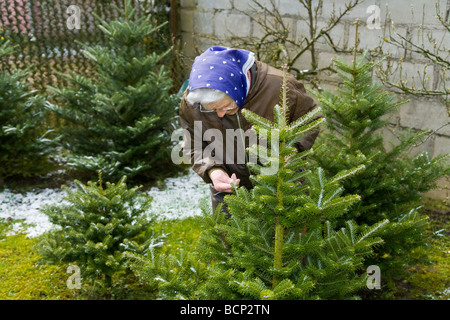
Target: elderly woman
pixel 222 82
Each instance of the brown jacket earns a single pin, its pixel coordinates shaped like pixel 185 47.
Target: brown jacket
pixel 263 95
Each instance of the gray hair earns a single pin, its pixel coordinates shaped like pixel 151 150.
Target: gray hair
pixel 205 96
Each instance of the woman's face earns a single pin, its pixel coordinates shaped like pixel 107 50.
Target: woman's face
pixel 224 107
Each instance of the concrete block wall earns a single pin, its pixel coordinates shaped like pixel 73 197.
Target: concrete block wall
pixel 210 22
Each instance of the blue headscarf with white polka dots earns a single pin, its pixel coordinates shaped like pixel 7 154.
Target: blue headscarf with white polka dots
pixel 223 69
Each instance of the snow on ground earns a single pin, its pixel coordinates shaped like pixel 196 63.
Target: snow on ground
pixel 181 198
pixel 26 206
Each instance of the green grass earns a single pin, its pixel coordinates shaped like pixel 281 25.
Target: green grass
pixel 430 279
pixel 23 276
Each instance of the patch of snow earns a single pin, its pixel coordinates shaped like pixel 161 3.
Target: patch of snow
pixel 180 199
pixel 27 207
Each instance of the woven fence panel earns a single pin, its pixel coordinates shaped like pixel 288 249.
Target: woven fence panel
pixel 46 32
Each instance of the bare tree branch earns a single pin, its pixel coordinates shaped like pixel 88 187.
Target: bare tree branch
pixel 432 49
pixel 276 45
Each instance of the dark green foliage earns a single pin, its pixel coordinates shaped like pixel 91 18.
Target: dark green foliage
pixel 281 241
pixel 176 276
pixel 97 226
pixel 317 261
pixel 119 121
pixel 24 138
pixel 392 183
pixel 171 264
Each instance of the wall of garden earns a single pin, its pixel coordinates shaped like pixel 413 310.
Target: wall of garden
pixel 205 23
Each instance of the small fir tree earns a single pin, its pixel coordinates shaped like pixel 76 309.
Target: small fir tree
pixel 98 226
pixel 176 272
pixel 118 121
pixel 24 139
pixel 392 184
pixel 176 276
pixel 281 241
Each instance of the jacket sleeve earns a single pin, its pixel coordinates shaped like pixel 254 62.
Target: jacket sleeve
pixel 192 149
pixel 303 104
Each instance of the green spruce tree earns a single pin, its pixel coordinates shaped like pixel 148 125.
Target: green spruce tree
pixel 24 137
pixel 393 182
pixel 281 240
pixel 118 120
pixel 96 226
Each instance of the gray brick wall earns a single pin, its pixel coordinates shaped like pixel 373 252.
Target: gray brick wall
pixel 205 21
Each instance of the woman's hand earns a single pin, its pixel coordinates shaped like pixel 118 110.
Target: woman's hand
pixel 222 181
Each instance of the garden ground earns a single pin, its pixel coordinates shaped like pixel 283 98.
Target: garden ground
pixel 23 276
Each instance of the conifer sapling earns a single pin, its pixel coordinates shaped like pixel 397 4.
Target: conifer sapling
pixel 97 225
pixel 393 182
pixel 281 241
pixel 118 121
pixel 24 138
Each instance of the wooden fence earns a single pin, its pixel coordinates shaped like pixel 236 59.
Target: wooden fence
pixel 44 32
